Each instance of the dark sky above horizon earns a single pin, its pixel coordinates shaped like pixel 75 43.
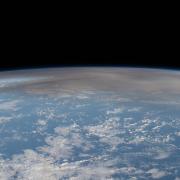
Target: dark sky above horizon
pixel 49 61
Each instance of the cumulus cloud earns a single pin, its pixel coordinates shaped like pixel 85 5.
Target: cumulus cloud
pixel 32 165
pixel 55 161
pixel 108 132
pixel 61 145
pixel 59 158
pixel 29 165
pixel 41 122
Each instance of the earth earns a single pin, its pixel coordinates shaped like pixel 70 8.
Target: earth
pixel 90 123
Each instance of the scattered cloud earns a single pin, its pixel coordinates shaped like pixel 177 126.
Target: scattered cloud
pixel 46 113
pixel 107 131
pixel 33 165
pixel 54 160
pixel 61 145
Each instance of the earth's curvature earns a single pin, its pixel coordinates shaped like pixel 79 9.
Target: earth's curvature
pixel 90 123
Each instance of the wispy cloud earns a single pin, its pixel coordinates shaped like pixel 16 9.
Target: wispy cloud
pixel 115 111
pixel 10 105
pixel 156 173
pixel 135 109
pixel 4 119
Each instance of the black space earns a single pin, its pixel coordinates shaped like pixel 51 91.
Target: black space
pixel 45 47
pixel 53 60
pixel 32 39
pixel 27 50
pixel 36 46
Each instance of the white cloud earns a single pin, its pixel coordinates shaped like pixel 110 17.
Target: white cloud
pixel 61 145
pixel 135 109
pixel 58 147
pixel 108 131
pixel 47 113
pixel 162 155
pixel 82 96
pixel 136 140
pixel 163 102
pixel 128 119
pixel 4 119
pixel 30 165
pixel 41 126
pixel 55 160
pixel 107 128
pixel 178 133
pixel 121 99
pixel 115 111
pixel 10 105
pixel 41 122
pixel 33 166
pixel 156 173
